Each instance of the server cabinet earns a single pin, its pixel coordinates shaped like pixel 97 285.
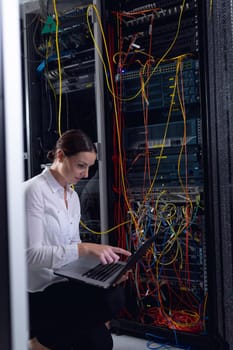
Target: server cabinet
pixel 158 56
pixel 61 92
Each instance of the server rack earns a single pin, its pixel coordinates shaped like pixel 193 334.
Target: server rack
pixel 60 66
pixel 161 127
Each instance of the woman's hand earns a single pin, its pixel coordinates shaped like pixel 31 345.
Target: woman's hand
pixel 105 253
pixel 123 278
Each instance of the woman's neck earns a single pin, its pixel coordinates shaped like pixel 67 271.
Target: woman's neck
pixel 56 174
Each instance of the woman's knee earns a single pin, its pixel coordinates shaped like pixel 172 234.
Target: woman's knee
pixel 115 300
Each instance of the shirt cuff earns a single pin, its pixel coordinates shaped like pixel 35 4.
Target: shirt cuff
pixel 70 253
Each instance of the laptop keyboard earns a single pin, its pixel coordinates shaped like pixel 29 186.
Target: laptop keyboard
pixel 102 272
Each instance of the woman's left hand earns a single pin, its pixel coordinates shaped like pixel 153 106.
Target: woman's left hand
pixel 124 278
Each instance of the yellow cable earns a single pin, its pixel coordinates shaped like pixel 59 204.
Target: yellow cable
pixel 183 112
pixel 111 90
pixel 164 136
pixel 59 68
pixel 204 309
pixel 211 7
pixel 143 86
pixel 174 258
pixel 104 232
pixel 114 100
pixel 115 109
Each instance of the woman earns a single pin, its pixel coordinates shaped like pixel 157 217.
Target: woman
pixel 63 312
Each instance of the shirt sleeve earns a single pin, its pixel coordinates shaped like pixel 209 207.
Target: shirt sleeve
pixel 76 238
pixel 37 252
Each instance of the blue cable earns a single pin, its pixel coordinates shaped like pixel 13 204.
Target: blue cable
pixel 151 342
pixel 166 346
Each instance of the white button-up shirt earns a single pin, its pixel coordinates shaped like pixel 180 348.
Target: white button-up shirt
pixel 52 229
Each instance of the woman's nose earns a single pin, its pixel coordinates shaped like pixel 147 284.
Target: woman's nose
pixel 85 172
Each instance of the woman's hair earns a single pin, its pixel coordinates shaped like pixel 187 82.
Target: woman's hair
pixel 72 142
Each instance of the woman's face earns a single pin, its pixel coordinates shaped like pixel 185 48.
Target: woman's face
pixel 76 167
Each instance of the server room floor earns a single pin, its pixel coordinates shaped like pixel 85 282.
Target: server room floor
pixel 125 342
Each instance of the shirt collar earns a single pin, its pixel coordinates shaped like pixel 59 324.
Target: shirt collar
pixel 53 183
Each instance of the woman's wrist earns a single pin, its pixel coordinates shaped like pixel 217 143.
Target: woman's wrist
pixel 83 249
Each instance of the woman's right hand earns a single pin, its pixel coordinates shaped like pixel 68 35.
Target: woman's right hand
pixel 105 253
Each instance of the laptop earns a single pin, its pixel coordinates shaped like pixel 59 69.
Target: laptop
pixel 89 270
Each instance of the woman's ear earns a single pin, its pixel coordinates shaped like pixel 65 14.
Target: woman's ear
pixel 60 155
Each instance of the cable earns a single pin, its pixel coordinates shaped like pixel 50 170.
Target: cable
pixel 103 232
pixel 59 68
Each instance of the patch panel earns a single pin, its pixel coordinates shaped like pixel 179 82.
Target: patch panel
pixel 153 136
pixel 165 194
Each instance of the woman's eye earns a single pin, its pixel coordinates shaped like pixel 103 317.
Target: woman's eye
pixel 81 166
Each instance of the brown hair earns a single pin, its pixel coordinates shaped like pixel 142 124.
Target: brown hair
pixel 72 142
